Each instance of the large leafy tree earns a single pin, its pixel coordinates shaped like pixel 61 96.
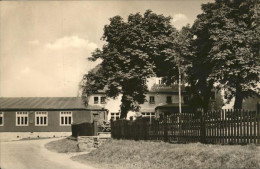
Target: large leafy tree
pixel 133 51
pixel 226 48
pixel 236 48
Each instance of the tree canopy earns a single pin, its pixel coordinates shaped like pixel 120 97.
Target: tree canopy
pixel 228 46
pixel 221 50
pixel 133 52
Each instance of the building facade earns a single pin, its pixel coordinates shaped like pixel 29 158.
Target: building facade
pixel 46 114
pixel 159 98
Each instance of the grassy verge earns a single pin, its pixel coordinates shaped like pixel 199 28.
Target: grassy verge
pixel 63 146
pixel 125 154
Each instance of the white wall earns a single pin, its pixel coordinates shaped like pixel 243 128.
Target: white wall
pixel 91 99
pixel 113 105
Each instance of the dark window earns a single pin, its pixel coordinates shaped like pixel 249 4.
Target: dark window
pixel 95 100
pixel 1 118
pixel 41 118
pixel 115 116
pixel 103 100
pixel 25 121
pixel 69 120
pixel 22 118
pixel 45 120
pixel 18 120
pixel 152 100
pixel 169 99
pixel 66 120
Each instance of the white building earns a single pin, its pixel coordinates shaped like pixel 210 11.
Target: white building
pixel 159 96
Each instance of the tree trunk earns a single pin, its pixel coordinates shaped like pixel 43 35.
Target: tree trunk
pixel 206 102
pixel 123 113
pixel 206 95
pixel 238 99
pixel 124 108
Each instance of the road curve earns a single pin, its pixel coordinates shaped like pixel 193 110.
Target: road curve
pixel 31 154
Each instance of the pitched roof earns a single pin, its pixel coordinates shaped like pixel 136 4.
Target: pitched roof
pixel 43 103
pixel 172 105
pixel 161 88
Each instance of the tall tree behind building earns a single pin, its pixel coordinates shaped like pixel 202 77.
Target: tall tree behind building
pixel 133 52
pixel 227 49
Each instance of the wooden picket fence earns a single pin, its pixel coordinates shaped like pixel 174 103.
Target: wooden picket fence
pixel 216 127
pixel 232 127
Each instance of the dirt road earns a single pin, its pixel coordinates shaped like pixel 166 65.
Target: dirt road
pixel 31 154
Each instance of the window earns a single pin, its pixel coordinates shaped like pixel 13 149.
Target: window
pixel 41 118
pixel 148 114
pixel 1 118
pixel 95 100
pixel 169 99
pixel 103 100
pixel 160 81
pixel 22 118
pixel 115 116
pixel 151 101
pixel 66 118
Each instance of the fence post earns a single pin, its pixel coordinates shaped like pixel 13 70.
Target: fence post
pixel 202 127
pixel 165 126
pixel 144 128
pixel 112 129
pixel 258 108
pixel 95 127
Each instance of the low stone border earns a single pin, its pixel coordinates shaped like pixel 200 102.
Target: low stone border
pixel 88 143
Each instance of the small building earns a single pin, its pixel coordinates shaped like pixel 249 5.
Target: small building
pixel 45 116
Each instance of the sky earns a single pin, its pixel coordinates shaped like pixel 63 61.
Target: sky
pixel 44 45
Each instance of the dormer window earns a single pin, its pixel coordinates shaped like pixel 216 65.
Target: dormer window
pixel 103 100
pixel 95 100
pixel 152 100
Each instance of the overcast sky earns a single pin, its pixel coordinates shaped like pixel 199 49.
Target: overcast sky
pixel 44 44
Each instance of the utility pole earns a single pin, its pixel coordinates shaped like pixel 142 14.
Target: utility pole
pixel 179 69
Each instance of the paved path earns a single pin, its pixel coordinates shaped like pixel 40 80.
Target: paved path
pixel 31 154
